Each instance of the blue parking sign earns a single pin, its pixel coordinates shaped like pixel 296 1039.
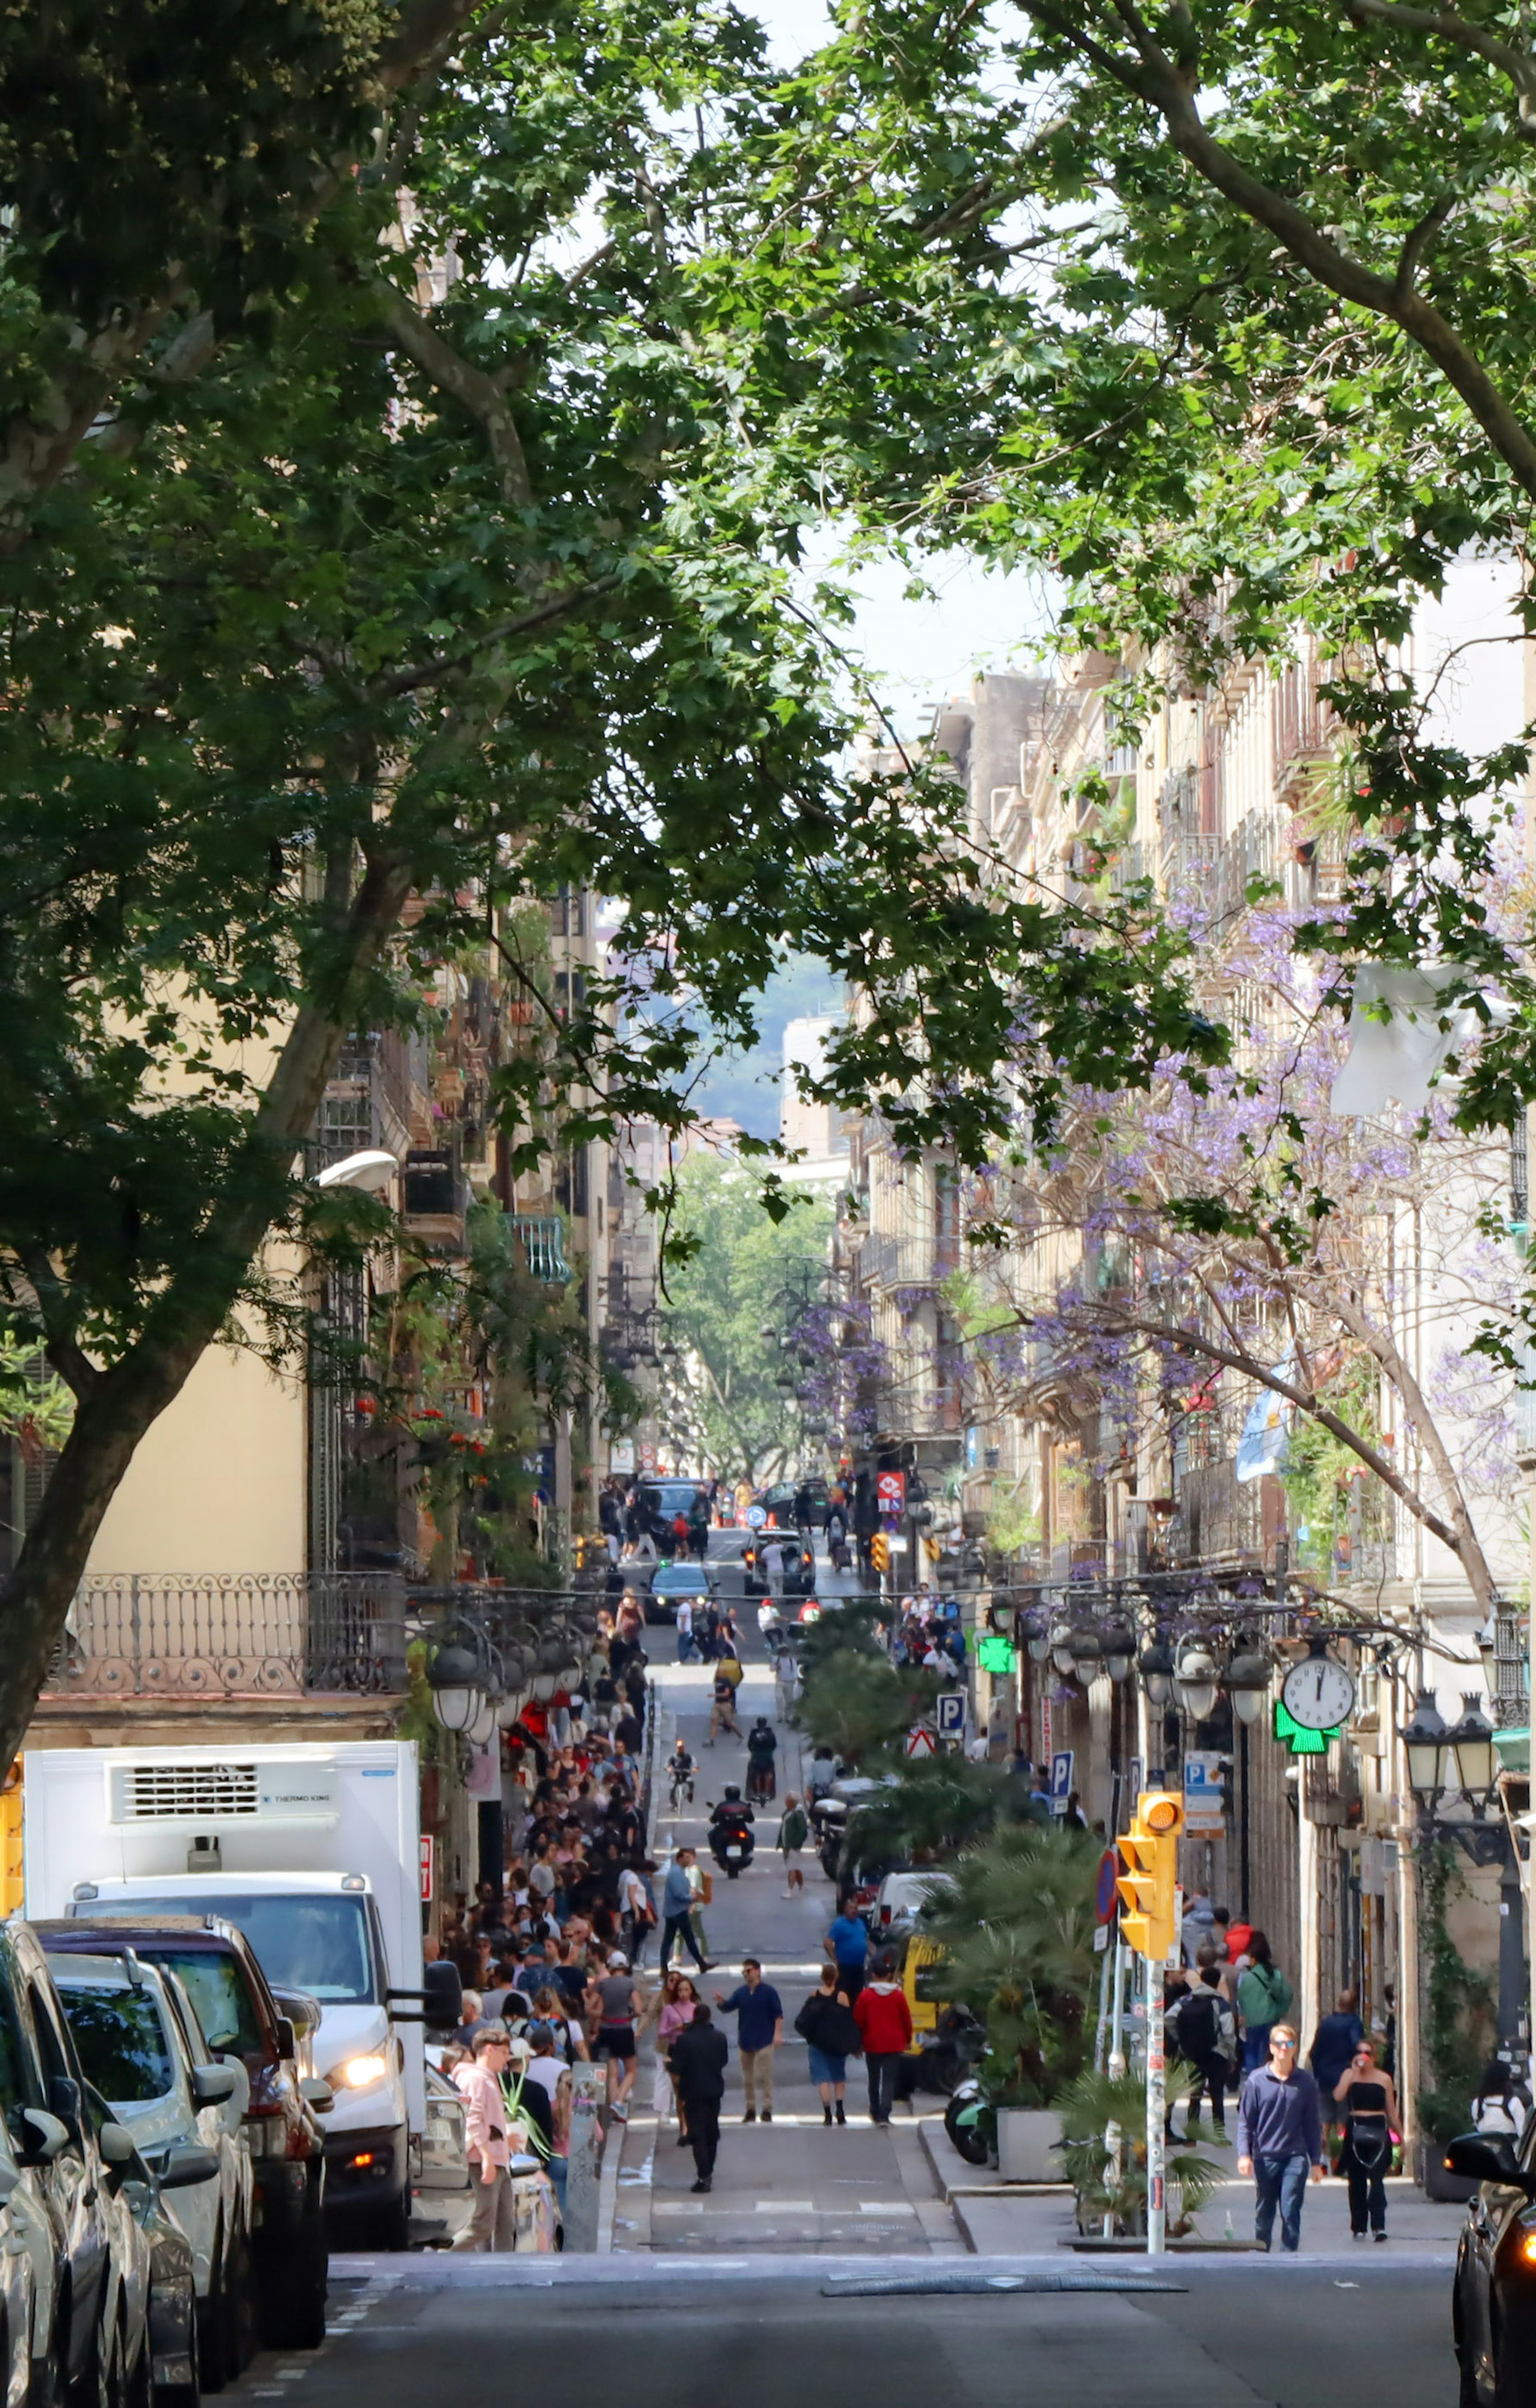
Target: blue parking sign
pixel 1061 1778
pixel 950 1713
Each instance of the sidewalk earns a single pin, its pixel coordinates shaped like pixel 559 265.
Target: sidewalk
pixel 1001 2219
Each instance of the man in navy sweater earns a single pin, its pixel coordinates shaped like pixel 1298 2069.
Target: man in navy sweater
pixel 1279 2135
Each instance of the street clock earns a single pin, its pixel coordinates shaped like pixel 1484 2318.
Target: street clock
pixel 1318 1695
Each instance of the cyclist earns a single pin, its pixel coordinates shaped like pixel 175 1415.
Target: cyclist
pixel 680 1769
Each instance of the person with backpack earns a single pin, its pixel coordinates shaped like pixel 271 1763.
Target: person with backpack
pixel 1264 1998
pixel 1336 2038
pixel 828 2027
pixel 1207 2036
pixel 1501 2105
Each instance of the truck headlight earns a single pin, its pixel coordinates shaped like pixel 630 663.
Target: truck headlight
pixel 358 2072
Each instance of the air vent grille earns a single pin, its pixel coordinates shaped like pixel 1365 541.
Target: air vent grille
pixel 179 1793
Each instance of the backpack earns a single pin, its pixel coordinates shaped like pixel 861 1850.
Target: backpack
pixel 1198 2025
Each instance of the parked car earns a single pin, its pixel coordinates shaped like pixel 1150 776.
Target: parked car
pixel 898 1901
pixel 1493 2307
pixel 86 2338
pixel 239 2018
pixel 141 2046
pixel 172 2337
pixel 777 1502
pixel 674 1581
pixel 441 2186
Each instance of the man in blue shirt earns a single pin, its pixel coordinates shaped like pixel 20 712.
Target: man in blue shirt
pixel 847 1944
pixel 676 1908
pixel 1279 2135
pixel 760 2030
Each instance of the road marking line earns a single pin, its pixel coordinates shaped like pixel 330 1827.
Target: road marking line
pixel 785 2206
pixel 886 2207
pixel 677 2207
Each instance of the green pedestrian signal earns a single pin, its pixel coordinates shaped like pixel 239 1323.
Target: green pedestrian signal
pixel 1297 1737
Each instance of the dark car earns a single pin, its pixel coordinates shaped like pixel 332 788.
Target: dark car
pixel 675 1580
pixel 240 2017
pixel 777 1502
pixel 1494 2301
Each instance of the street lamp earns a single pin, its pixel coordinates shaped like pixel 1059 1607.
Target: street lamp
pixel 1061 1651
pixel 1037 1640
pixel 1470 1742
pixel 1155 1666
pixel 457 1679
pixel 1084 1651
pixel 1424 1743
pixel 1194 1681
pixel 1248 1680
pixel 1119 1647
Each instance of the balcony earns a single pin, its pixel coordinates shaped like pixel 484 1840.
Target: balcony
pixel 906 1262
pixel 433 1198
pixel 542 1238
pixel 237 1635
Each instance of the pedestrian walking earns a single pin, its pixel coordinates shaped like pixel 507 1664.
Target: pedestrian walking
pixel 723 1709
pixel 1207 2042
pixel 699 2055
pixel 828 2027
pixel 676 1908
pixel 1280 2138
pixel 674 2004
pixel 1334 2043
pixel 687 1652
pixel 760 2028
pixel 637 1907
pixel 793 1826
pixel 1369 2109
pixel 492 2222
pixel 847 1943
pixel 615 2001
pixel 885 2022
pixel 1264 1999
pixel 1502 2104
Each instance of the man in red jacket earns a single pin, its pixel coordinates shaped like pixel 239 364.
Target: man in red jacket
pixel 886 2025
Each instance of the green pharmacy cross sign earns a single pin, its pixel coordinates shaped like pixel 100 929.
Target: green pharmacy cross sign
pixel 1297 1737
pixel 994 1652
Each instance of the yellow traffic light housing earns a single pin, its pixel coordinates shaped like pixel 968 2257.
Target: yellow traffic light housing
pixel 879 1552
pixel 1147 1887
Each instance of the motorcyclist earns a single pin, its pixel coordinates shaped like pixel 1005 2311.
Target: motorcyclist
pixel 732 1810
pixel 762 1746
pixel 730 1825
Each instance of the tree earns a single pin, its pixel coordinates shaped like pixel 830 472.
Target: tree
pixel 861 1706
pixel 1363 1272
pixel 743 1273
pixel 423 560
pixel 1015 1919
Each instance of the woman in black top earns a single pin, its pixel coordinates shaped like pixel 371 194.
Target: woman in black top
pixel 1370 2115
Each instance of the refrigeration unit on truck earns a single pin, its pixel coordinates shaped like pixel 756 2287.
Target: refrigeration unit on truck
pixel 312 1850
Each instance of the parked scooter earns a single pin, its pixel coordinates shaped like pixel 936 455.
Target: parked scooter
pixel 946 2057
pixel 965 2121
pixel 731 1840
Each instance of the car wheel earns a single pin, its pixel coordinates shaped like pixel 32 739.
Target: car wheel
pixel 213 2331
pixel 239 2309
pixel 295 2319
pixel 1513 2366
pixel 388 2227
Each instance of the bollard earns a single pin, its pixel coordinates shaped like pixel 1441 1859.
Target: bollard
pixel 585 2162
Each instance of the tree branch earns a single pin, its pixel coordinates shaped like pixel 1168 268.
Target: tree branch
pixel 1165 89
pixel 471 387
pixel 1519 67
pixel 1417 242
pixel 406 681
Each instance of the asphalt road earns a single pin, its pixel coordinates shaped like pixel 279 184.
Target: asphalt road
pixel 671 2333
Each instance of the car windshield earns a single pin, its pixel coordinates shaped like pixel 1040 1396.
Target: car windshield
pixel 121 2041
pixel 680 1577
pixel 319 1943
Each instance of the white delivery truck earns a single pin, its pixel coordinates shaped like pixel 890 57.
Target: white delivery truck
pixel 314 1852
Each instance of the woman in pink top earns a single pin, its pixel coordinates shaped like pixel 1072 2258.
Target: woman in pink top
pixel 678 1999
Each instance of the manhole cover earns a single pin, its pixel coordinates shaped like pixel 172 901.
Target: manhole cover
pixel 972 2281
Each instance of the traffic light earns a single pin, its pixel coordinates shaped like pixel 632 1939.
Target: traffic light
pixel 1146 1890
pixel 879 1552
pixel 11 1841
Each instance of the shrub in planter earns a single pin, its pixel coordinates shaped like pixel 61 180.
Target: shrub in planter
pixel 1104 2187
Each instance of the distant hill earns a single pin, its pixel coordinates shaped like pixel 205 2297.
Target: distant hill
pixel 745 1087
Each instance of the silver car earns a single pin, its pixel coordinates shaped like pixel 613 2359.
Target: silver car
pixel 143 2049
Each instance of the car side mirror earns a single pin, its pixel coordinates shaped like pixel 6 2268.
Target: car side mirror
pixel 116 2145
pixel 187 2164
pixel 443 1991
pixel 303 2012
pixel 63 2098
pixel 1486 2157
pixel 44 2136
pixel 211 2085
pixel 287 2038
pixel 319 2095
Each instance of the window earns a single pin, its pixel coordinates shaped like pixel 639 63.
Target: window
pixel 119 2041
pixel 319 1943
pixel 217 1989
pixel 18 2083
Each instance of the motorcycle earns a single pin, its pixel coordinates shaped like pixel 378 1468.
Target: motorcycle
pixel 968 2121
pixel 732 1844
pixel 947 2055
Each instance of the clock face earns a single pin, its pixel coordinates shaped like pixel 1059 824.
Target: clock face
pixel 1319 1694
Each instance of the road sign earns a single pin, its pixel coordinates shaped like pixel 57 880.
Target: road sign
pixel 890 1491
pixel 950 1713
pixel 648 1455
pixel 1204 1803
pixel 426 1844
pixel 621 1455
pixel 921 1739
pixel 757 1517
pixel 1106 1896
pixel 1061 1778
